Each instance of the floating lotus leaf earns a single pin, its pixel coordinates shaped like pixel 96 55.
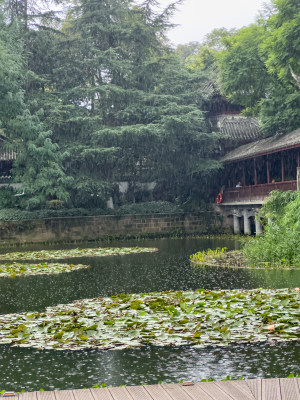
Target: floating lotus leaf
pixel 71 253
pixel 15 269
pixel 113 323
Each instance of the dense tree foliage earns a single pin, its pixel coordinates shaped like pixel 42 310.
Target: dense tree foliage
pixel 92 96
pixel 128 110
pixel 205 56
pixel 243 74
pixel 260 68
pixel 188 49
pixel 116 100
pixel 282 41
pixel 38 165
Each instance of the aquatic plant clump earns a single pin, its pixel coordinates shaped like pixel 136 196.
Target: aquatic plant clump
pixel 16 269
pixel 211 256
pixel 233 259
pixel 219 257
pixel 197 318
pixel 72 253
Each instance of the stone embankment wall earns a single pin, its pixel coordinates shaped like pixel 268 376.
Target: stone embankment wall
pixel 97 227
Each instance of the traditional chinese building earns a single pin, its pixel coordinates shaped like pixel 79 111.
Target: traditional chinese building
pixel 252 171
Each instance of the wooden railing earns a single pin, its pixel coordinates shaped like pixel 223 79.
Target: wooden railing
pixel 254 193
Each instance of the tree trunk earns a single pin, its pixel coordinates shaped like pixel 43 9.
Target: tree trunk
pixel 26 15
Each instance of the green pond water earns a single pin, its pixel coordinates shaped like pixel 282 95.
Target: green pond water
pixel 167 269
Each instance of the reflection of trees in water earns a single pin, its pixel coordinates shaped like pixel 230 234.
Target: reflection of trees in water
pixel 32 369
pixel 167 269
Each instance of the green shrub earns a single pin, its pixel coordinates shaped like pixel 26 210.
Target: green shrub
pixel 151 207
pixel 10 214
pixel 55 204
pixel 275 206
pixel 7 198
pixel 14 214
pixel 280 242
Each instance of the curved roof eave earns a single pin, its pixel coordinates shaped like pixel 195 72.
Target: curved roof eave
pixel 262 147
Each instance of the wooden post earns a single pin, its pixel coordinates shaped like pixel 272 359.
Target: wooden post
pixel 282 168
pixel 255 172
pixel 268 170
pixel 298 178
pixel 244 176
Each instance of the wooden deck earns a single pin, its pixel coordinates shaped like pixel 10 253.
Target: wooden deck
pixel 256 389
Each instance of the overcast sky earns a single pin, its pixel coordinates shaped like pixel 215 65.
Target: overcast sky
pixel 196 18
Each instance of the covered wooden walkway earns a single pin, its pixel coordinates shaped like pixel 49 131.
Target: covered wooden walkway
pixel 256 389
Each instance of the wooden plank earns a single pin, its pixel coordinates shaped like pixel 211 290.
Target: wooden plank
pixel 253 389
pixel 214 391
pixel 195 392
pixel 255 386
pixel 271 389
pixel 138 393
pixel 26 396
pixel 119 393
pixel 176 392
pixel 236 389
pixel 64 395
pixel 45 395
pixel 82 394
pixel 157 392
pixel 101 394
pixel 289 389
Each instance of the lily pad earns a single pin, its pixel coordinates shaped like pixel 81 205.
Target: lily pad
pixel 113 323
pixel 72 253
pixel 12 270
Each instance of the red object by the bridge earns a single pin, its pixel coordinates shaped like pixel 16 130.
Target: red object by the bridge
pixel 219 198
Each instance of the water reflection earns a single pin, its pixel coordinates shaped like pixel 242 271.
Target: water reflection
pixel 168 269
pixel 31 369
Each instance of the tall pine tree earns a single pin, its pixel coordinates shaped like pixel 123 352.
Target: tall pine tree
pixel 128 109
pixel 38 166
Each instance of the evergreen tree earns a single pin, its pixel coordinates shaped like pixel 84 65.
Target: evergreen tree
pixel 38 166
pixel 27 13
pixel 128 110
pixel 120 104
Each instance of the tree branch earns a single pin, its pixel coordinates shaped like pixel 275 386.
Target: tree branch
pixel 296 77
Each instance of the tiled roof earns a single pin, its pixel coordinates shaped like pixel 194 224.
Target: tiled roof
pixel 264 146
pixel 238 128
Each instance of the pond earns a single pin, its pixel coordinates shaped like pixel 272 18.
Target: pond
pixel 168 269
